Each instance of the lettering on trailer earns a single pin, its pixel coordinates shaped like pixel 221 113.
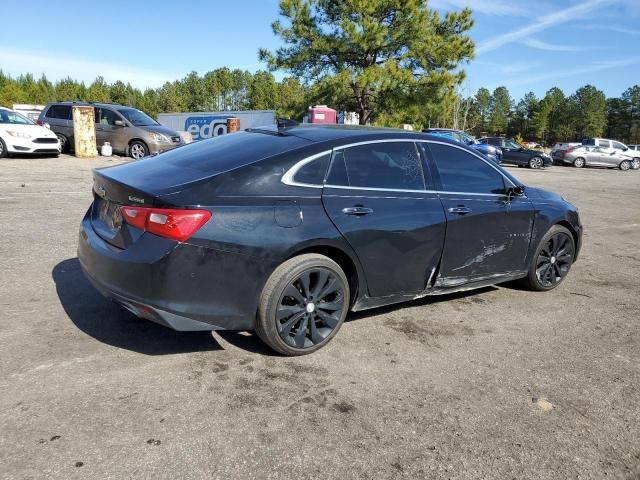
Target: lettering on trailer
pixel 202 127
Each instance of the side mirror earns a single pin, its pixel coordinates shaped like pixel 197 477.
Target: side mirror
pixel 516 191
pixel 521 149
pixel 119 123
pixel 46 125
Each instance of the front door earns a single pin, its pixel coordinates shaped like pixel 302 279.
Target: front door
pixel 488 233
pixel 108 131
pixel 514 153
pixel 375 196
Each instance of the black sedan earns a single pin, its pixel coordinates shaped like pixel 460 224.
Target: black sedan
pixel 515 154
pixel 285 231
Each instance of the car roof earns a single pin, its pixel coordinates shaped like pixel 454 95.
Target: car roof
pixel 336 132
pixel 89 104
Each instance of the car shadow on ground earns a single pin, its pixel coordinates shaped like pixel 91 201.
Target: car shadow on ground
pixel 112 324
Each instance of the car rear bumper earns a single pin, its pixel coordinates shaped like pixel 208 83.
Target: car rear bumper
pixel 182 286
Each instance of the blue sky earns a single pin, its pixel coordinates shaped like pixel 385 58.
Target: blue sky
pixel 526 45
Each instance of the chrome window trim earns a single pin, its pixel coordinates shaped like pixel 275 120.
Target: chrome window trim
pixel 287 178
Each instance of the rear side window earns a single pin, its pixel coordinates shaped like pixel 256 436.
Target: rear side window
pixel 313 173
pixel 62 112
pixel 393 165
pixel 604 143
pixel 460 171
pixel 494 141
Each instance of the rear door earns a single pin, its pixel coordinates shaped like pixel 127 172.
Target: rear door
pixel 375 195
pixel 515 153
pixel 487 234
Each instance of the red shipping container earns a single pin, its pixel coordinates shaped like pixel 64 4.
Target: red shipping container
pixel 322 114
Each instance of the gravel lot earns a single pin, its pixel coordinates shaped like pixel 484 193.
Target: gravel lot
pixel 497 383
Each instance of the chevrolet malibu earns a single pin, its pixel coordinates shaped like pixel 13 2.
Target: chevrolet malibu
pixel 284 231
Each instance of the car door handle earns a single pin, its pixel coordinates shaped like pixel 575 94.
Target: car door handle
pixel 459 210
pixel 357 210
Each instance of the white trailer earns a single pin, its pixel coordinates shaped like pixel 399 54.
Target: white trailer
pixel 203 125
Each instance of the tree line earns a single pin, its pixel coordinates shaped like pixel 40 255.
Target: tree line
pixel 218 90
pixel 552 118
pixel 555 117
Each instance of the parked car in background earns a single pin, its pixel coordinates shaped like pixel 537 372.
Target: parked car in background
pixel 128 130
pixel 515 154
pixel 590 156
pixel 285 231
pixel 608 145
pixel 494 153
pixel 19 134
pixel 634 147
pixel 563 146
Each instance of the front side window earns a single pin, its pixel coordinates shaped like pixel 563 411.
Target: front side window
pixel 619 146
pixel 105 116
pixel 392 165
pixel 461 171
pixel 511 144
pixel 495 142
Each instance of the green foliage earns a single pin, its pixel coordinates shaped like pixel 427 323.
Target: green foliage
pixel 372 56
pixel 501 105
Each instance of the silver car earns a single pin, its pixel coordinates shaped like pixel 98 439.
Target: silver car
pixel 590 156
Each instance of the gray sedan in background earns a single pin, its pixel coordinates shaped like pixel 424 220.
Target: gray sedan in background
pixel 589 156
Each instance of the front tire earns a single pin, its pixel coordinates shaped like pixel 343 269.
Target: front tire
pixel 552 260
pixel 64 143
pixel 536 162
pixel 303 305
pixel 579 162
pixel 138 150
pixel 625 165
pixel 3 149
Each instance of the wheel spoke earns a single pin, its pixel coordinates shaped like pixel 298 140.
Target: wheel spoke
pixel 292 291
pixel 301 333
pixel 285 311
pixel 320 283
pixel 329 320
pixel 331 287
pixel 286 327
pixel 332 306
pixel 315 335
pixel 305 280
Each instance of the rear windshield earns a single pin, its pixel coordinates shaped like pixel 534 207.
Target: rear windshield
pixel 201 159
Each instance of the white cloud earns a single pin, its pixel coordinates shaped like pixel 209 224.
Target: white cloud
pixel 539 24
pixel 561 73
pixel 15 62
pixel 540 45
pixel 490 7
pixel 612 28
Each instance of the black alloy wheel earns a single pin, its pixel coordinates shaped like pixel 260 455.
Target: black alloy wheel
pixel 303 304
pixel 552 261
pixel 310 308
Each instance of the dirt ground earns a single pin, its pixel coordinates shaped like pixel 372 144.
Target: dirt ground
pixel 497 383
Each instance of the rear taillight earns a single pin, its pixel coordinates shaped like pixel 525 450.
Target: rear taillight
pixel 166 222
pixel 564 152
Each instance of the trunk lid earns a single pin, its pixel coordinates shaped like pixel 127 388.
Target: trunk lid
pixel 106 218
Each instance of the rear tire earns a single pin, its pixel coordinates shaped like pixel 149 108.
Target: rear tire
pixel 303 305
pixel 625 165
pixel 552 260
pixel 579 162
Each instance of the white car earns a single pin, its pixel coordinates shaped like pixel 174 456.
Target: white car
pixel 19 134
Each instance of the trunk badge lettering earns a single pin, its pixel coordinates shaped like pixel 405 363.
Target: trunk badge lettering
pixel 136 199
